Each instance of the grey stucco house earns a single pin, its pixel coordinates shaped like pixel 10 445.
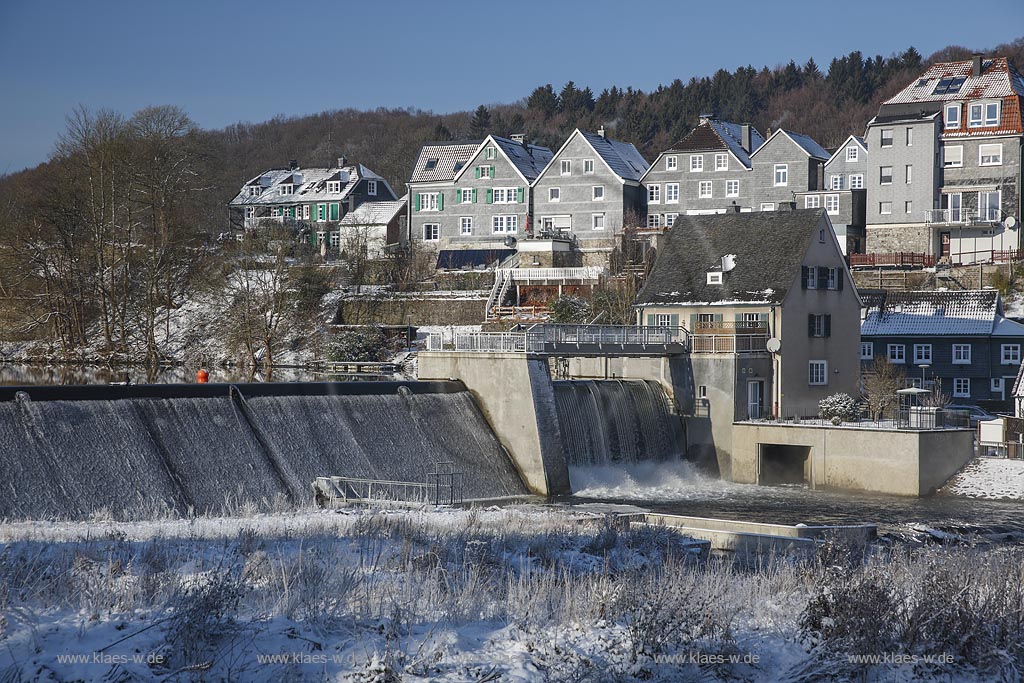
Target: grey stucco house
pixel 786 164
pixel 843 194
pixel 945 176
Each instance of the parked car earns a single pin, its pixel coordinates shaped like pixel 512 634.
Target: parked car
pixel 975 413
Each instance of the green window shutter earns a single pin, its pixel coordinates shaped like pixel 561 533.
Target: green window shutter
pixel 828 325
pixel 763 317
pixel 440 201
pixel 650 320
pixel 334 212
pixel 718 317
pixel 519 195
pixel 489 199
pixel 839 278
pixel 416 202
pixel 674 320
pixel 474 195
pixel 477 170
pixel 693 322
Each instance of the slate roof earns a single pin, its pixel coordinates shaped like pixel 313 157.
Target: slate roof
pixel 959 313
pixel 622 157
pixel 449 158
pixel 529 159
pixel 373 213
pixel 840 152
pixel 804 142
pixel 310 185
pixel 712 134
pixel 769 248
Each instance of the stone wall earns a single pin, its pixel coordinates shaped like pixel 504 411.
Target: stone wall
pixel 411 311
pixel 881 239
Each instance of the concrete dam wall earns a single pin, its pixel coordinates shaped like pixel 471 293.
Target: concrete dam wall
pixel 66 452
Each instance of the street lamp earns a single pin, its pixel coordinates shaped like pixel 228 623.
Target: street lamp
pixel 923 366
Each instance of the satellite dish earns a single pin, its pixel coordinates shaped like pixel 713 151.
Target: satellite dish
pixel 1010 221
pixel 773 344
pixel 728 262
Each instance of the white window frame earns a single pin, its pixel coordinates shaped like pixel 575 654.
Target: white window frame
pixel 972 120
pixel 961 387
pixel 832 204
pixel 434 233
pixel 721 162
pixel 671 163
pixel 882 176
pixel 371 188
pixel 883 137
pixel 732 188
pixel 491 153
pixel 333 186
pixel 509 195
pixel 908 207
pixel 663 320
pixel 588 166
pixel 812 201
pixel 910 137
pixel 487 171
pixel 565 167
pixel 654 220
pixel 990 212
pixel 286 188
pixel 1009 354
pixel 466 195
pixel 952 163
pixel 670 219
pixel 554 194
pixel 961 354
pixel 856 181
pixel 781 175
pixel 952 121
pixel 853 153
pixel 671 193
pixel 597 193
pixel 335 239
pixel 321 213
pixel 922 354
pixel 466 225
pixel 504 224
pixel 994 119
pixel 885 208
pixel 817 373
pixel 654 194
pixel 705 190
pixel 428 201
pixel 867 350
pixel 908 174
pixel 595 220
pixel 714 277
pixel 767 206
pixel 812 277
pixel 836 181
pixel 994 156
pixel 696 163
pixel 833 277
pixel 896 353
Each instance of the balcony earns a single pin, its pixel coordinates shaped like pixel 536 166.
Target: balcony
pixel 991 214
pixel 729 337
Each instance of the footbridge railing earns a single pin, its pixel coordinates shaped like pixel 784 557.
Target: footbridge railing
pixel 555 339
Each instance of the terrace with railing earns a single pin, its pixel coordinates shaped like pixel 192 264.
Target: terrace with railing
pixel 989 214
pixel 729 337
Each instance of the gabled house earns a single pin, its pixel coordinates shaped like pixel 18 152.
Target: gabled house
pixel 843 195
pixel 945 176
pixel 372 227
pixel 772 312
pixel 959 338
pixel 587 188
pixel 708 171
pixel 310 199
pixel 786 164
pixel 474 195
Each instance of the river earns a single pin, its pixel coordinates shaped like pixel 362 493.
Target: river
pixel 25 374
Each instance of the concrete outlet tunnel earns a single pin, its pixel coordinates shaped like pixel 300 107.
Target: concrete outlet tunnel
pixel 783 464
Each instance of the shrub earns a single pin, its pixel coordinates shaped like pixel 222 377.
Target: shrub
pixel 366 344
pixel 570 310
pixel 838 408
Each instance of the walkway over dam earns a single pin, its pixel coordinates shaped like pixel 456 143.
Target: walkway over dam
pixel 572 340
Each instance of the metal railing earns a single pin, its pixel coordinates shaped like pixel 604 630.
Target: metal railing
pixel 719 326
pixel 545 338
pixel 963 216
pixel 900 259
pixel 532 274
pixel 729 343
pixel 495 342
pixel 913 418
pixel 444 486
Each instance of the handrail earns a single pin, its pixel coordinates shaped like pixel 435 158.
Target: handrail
pixel 531 274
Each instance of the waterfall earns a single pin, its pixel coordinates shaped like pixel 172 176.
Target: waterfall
pixel 616 421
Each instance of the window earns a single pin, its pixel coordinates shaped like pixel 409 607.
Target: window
pixel 671 193
pixel 431 232
pixel 952 157
pixel 466 196
pixel 817 372
pixel 597 221
pixel 250 212
pixel 491 153
pixel 910 137
pixel 704 191
pixel 714 278
pixel 896 353
pixel 922 353
pixel 662 320
pixel 887 137
pixel 961 354
pixel 835 182
pixel 702 391
pixel 997 385
pixel 429 201
pixel 335 239
pixel 812 277
pixel 909 174
pixel 856 181
pixel 598 193
pixel 588 166
pixel 885 208
pixel 287 188
pixel 466 225
pixel 832 204
pixel 696 162
pixel 962 387
pixel 654 220
pixel 371 188
pixel 983 114
pixel 1010 354
pixel 654 194
pixel 867 351
pixel 554 194
pixel 988 206
pixel 732 188
pixel 321 212
pixel 781 174
pixel 990 155
pixel 305 212
pixel 833 275
pixel 670 219
pixel 812 201
pixel 975 119
pixel 992 114
pixel 852 153
pixel 484 171
pixel 430 165
pixel 908 207
pixel 501 224
pixel 504 195
pixel 566 167
pixel 671 163
pixel 952 116
pixel 255 191
pixel 767 206
pixel 819 325
pixel 885 175
pixel 334 186
pixel 721 162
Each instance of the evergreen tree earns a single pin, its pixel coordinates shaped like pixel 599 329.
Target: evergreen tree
pixel 480 124
pixel 576 101
pixel 441 133
pixel 543 100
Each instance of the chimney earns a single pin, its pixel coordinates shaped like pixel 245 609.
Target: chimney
pixel 705 118
pixel 293 165
pixel 600 131
pixel 745 137
pixel 341 162
pixel 518 137
pixel 976 64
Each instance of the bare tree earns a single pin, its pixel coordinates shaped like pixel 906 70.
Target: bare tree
pixel 881 382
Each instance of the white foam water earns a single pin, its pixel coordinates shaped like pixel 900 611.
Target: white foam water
pixel 649 481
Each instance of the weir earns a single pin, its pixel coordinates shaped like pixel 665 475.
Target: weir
pixel 67 452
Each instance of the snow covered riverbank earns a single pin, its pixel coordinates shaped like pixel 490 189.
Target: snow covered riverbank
pixel 992 478
pixel 517 594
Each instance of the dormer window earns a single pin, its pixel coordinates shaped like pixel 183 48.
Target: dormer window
pixel 334 186
pixel 714 277
pixel 371 188
pixel 287 188
pixel 255 190
pixel 983 114
pixel 952 116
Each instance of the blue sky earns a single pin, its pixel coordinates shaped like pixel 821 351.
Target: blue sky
pixel 249 61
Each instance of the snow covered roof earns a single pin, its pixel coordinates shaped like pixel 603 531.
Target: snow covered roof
pixel 441 161
pixel 528 159
pixel 959 313
pixel 804 142
pixel 308 184
pixel 373 213
pixel 622 158
pixel 998 79
pixel 712 134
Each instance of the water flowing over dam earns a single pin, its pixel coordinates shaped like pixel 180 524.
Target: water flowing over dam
pixel 66 452
pixel 616 421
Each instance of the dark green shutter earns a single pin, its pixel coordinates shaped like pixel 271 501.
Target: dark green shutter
pixel 803 272
pixel 440 201
pixel 810 324
pixel 476 171
pixel 474 195
pixel 840 272
pixel 489 199
pixel 650 320
pixel 416 202
pixel 674 320
pixel 693 322
pixel 519 195
pixel 828 325
pixel 718 317
pixel 822 277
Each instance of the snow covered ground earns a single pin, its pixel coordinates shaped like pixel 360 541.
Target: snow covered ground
pixel 996 478
pixel 524 593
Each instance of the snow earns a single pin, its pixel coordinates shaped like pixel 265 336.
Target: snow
pixel 994 478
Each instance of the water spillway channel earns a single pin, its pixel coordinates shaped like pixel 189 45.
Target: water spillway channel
pixel 67 452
